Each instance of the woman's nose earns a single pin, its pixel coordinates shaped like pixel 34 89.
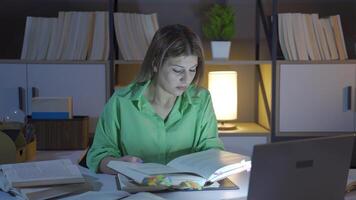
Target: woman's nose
pixel 183 77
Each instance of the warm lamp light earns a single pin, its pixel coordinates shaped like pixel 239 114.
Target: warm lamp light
pixel 223 90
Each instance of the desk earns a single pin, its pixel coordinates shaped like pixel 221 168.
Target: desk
pixel 105 182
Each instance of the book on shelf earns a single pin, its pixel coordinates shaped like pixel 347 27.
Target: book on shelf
pixel 290 36
pixel 100 42
pixel 42 179
pixel 339 36
pixel 198 170
pixel 70 36
pixel 134 33
pixel 308 37
pixel 313 49
pixel 299 37
pixel 329 36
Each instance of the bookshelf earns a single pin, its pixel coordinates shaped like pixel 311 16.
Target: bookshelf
pixel 87 81
pixel 253 53
pixel 315 73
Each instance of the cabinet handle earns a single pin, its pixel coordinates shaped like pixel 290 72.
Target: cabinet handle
pixel 35 92
pixel 21 94
pixel 347 98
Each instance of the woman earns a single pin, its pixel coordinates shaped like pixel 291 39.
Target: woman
pixel 163 114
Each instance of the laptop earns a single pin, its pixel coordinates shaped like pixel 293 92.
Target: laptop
pixel 308 169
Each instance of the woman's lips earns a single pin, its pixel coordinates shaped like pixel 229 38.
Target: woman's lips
pixel 182 87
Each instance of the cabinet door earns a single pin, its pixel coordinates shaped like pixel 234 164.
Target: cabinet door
pixel 12 78
pixel 312 98
pixel 86 83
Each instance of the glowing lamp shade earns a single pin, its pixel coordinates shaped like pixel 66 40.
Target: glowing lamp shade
pixel 223 90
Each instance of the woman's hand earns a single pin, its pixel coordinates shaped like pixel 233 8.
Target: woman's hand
pixel 131 159
pixel 103 168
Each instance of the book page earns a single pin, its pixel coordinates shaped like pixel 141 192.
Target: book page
pixel 206 163
pixel 42 173
pixel 139 171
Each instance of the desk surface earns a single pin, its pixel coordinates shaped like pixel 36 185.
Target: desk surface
pixel 103 182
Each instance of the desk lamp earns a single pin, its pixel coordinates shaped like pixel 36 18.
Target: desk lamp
pixel 223 90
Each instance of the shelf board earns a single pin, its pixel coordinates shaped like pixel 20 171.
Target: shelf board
pixel 254 62
pixel 19 61
pixel 237 62
pixel 128 62
pixel 209 62
pixel 351 61
pixel 246 129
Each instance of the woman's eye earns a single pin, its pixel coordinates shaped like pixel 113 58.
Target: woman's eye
pixel 177 71
pixel 193 70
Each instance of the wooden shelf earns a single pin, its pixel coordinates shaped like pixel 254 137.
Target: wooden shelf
pixel 237 62
pixel 19 61
pixel 128 62
pixel 209 62
pixel 246 129
pixel 351 61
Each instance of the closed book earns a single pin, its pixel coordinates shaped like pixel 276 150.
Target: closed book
pixel 41 173
pixel 39 193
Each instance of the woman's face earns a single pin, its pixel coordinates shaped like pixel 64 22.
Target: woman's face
pixel 177 73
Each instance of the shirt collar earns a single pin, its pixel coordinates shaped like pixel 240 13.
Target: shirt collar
pixel 139 88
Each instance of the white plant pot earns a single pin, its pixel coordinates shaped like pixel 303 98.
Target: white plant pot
pixel 220 49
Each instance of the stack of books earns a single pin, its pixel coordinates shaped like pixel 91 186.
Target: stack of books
pixel 134 33
pixel 70 36
pixel 42 179
pixel 308 37
pixel 85 36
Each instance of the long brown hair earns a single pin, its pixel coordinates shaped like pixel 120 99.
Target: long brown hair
pixel 172 41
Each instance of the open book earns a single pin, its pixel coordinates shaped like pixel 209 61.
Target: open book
pixel 126 184
pixel 201 168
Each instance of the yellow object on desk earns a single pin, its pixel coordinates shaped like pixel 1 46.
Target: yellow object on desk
pixel 7 149
pixel 27 152
pixel 13 145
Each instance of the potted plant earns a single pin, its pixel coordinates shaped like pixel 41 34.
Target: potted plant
pixel 220 29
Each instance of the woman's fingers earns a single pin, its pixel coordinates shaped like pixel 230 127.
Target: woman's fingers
pixel 131 159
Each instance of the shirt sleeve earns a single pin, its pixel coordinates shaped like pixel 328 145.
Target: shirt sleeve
pixel 209 138
pixel 106 136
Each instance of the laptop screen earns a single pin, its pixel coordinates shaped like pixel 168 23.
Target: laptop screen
pixel 307 169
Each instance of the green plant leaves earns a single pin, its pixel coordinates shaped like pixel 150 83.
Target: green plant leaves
pixel 220 24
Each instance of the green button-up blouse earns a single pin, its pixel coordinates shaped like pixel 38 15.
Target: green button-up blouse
pixel 130 126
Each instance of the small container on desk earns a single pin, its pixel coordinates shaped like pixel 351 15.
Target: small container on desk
pixel 61 134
